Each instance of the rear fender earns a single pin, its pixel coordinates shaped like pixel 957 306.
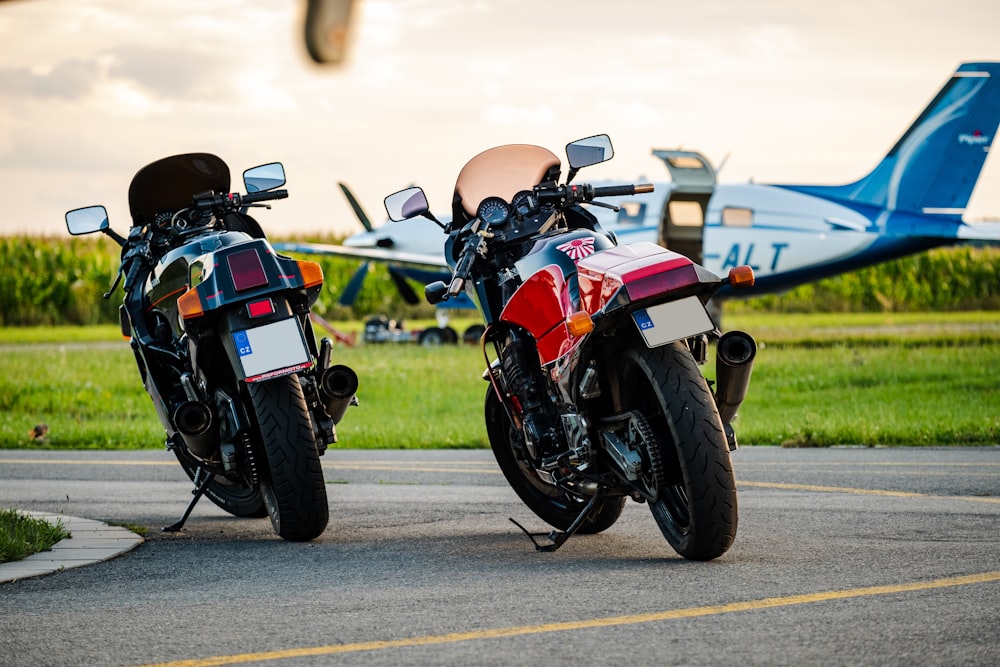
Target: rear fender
pixel 638 275
pixel 243 272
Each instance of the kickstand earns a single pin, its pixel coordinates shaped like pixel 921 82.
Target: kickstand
pixel 558 539
pixel 199 491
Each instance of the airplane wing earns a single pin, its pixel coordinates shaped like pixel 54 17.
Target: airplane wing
pixel 983 231
pixel 377 254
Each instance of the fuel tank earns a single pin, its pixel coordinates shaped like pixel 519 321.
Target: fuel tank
pixel 549 289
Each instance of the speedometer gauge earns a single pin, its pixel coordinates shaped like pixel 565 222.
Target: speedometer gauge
pixel 524 203
pixel 493 210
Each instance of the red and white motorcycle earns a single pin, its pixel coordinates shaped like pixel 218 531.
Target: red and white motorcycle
pixel 595 392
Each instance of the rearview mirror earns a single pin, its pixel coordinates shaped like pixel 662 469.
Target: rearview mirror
pixel 592 150
pixel 406 204
pixel 87 220
pixel 265 177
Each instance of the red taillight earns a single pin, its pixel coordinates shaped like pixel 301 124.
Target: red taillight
pixel 260 308
pixel 247 270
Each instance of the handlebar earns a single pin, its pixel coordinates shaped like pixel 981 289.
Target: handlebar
pixel 622 190
pixel 209 201
pixel 568 195
pixel 465 262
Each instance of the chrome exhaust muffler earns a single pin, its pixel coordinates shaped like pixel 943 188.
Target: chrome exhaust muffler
pixel 193 420
pixel 337 387
pixel 734 358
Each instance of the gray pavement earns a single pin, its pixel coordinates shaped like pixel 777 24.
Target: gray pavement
pixel 843 556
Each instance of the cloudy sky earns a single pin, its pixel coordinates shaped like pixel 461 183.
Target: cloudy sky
pixel 782 90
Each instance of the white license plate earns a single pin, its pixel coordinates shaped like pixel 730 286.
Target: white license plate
pixel 271 350
pixel 674 320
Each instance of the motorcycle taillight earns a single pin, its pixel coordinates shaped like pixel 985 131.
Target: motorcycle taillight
pixel 260 308
pixel 246 269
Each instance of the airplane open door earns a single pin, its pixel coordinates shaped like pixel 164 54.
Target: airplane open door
pixel 682 221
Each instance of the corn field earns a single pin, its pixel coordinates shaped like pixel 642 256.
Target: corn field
pixel 52 281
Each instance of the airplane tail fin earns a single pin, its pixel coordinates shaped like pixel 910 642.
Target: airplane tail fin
pixel 934 167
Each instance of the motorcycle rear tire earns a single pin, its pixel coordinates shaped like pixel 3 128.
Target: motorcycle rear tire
pixel 696 510
pixel 232 497
pixel 553 505
pixel 292 480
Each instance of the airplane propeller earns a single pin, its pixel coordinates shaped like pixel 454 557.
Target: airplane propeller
pixel 353 287
pixel 350 292
pixel 358 210
pixel 403 287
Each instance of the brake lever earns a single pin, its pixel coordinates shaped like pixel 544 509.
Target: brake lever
pixel 604 205
pixel 114 285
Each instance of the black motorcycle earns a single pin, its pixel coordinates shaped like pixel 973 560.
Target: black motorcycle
pixel 592 351
pixel 220 327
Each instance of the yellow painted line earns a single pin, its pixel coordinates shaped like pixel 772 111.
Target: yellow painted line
pixel 863 492
pixel 870 464
pixel 606 622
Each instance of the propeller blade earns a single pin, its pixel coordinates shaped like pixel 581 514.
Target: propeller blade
pixel 350 293
pixel 405 291
pixel 358 211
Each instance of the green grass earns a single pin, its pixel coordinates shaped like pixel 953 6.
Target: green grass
pixel 872 379
pixel 22 535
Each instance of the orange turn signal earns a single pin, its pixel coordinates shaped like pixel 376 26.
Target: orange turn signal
pixel 741 277
pixel 312 273
pixel 579 324
pixel 189 304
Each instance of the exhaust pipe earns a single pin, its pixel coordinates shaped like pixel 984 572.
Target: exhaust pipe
pixel 733 363
pixel 337 387
pixel 193 420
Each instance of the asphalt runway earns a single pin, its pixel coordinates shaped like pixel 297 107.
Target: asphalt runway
pixel 843 556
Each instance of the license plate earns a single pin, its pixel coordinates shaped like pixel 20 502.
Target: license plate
pixel 271 350
pixel 674 320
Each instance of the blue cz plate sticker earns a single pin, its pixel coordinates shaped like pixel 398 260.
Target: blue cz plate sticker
pixel 641 318
pixel 242 341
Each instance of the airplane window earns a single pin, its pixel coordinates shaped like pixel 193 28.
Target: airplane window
pixel 686 214
pixel 684 162
pixel 737 217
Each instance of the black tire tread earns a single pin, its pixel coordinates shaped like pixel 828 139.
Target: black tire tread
pixel 698 439
pixel 294 477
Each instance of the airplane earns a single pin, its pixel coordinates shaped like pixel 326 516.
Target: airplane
pixel 912 201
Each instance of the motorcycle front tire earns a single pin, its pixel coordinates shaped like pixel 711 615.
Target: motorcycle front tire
pixel 292 478
pixel 553 505
pixel 696 509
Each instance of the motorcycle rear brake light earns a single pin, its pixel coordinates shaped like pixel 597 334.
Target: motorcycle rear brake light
pixel 246 269
pixel 260 308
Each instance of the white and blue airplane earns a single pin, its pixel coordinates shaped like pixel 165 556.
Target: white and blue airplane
pixel 913 200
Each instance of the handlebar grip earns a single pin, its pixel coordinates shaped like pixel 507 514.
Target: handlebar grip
pixel 252 197
pixel 622 190
pixel 135 265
